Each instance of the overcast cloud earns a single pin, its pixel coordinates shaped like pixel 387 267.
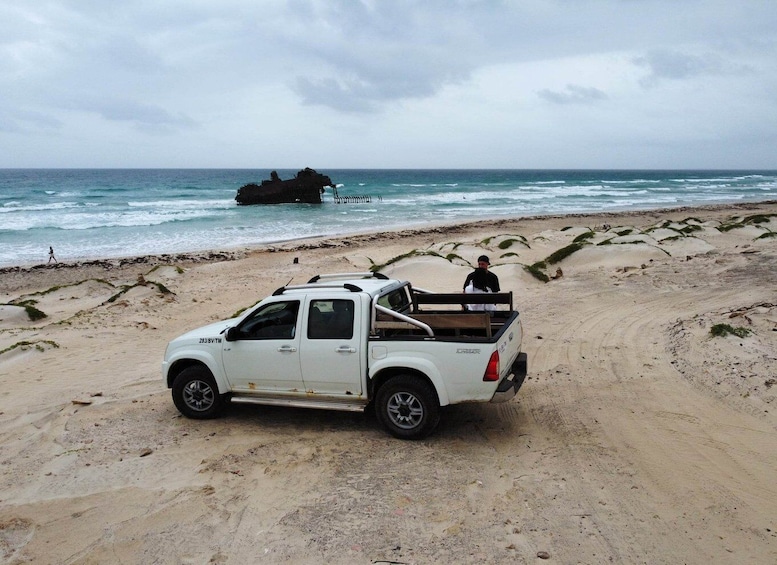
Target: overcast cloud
pixel 389 83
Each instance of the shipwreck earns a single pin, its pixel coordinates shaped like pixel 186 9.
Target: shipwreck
pixel 306 187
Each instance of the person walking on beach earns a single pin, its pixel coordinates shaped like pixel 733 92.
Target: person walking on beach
pixel 483 275
pixel 51 255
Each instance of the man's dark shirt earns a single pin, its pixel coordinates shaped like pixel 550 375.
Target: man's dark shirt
pixel 493 280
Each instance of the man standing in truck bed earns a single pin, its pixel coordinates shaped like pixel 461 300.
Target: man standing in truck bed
pixel 492 281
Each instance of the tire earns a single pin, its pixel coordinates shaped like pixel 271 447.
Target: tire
pixel 407 407
pixel 196 395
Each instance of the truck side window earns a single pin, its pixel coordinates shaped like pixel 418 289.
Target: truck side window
pixel 330 319
pixel 274 321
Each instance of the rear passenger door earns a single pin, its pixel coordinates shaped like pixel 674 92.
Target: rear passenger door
pixel 331 353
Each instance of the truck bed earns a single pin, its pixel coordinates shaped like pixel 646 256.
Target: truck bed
pixel 454 322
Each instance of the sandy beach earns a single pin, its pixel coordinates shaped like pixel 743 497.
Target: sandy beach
pixel 639 436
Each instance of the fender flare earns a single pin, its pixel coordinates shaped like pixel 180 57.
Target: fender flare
pixel 187 358
pixel 413 365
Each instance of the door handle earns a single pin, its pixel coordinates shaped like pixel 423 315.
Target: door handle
pixel 287 349
pixel 345 349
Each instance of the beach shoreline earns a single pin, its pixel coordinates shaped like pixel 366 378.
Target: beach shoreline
pixel 638 436
pixel 233 253
pixel 108 214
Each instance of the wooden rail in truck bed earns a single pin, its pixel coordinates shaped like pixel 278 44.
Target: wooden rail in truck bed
pixel 431 298
pixel 439 322
pixel 449 322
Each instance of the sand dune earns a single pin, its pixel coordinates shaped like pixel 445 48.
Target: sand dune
pixel 639 436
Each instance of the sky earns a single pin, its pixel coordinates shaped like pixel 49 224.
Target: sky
pixel 288 84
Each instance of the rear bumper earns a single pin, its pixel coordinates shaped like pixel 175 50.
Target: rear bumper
pixel 509 385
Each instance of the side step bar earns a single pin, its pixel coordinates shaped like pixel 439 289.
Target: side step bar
pixel 345 406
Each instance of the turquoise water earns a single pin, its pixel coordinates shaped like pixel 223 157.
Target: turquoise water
pixel 107 213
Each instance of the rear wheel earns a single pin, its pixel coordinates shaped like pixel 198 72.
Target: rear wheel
pixel 407 407
pixel 196 395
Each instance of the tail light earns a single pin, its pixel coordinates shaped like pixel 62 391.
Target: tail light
pixel 492 370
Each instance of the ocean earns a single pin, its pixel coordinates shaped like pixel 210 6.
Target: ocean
pixel 111 213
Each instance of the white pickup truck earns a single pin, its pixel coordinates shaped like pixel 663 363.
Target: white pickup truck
pixel 346 341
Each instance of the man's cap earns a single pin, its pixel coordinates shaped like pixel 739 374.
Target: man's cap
pixel 483 259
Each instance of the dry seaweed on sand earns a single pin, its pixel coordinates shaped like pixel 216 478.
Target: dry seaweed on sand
pixel 37 344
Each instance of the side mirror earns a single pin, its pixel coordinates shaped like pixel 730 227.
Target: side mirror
pixel 231 334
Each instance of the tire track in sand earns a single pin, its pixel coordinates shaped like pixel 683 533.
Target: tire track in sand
pixel 630 437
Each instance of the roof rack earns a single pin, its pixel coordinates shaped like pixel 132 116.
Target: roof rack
pixel 329 281
pixel 346 286
pixel 335 276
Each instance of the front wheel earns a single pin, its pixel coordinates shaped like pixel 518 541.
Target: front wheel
pixel 196 395
pixel 407 407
